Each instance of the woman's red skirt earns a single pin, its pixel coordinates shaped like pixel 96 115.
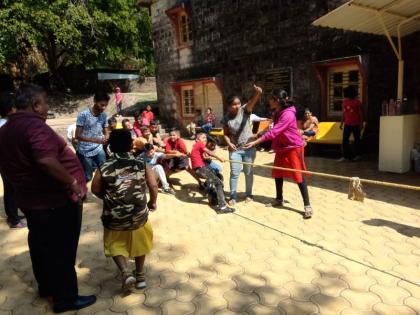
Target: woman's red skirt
pixel 294 159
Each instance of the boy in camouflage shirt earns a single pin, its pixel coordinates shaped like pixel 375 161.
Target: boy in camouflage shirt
pixel 121 182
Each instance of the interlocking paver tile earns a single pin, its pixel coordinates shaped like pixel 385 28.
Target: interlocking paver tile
pixel 238 301
pixel 170 279
pixel 361 300
pixel 277 277
pixel 301 291
pixel 141 309
pixel 358 282
pixel 408 272
pixel 385 309
pixel 390 295
pixel 177 307
pixel 228 312
pixel 352 311
pixel 187 291
pixel 265 310
pixel 383 278
pixel 156 296
pixel 330 270
pixel 330 286
pixel 227 270
pixel 330 305
pixel 413 303
pixel 216 287
pixel 271 295
pixel 26 309
pixel 247 283
pixel 293 307
pixel 303 275
pixel 206 304
pixel 122 303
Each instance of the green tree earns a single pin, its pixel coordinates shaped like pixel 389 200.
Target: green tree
pixel 95 33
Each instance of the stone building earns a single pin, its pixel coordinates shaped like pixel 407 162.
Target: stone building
pixel 206 50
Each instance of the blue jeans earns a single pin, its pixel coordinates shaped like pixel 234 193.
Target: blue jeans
pixel 247 156
pixel 207 127
pixel 215 166
pixel 91 163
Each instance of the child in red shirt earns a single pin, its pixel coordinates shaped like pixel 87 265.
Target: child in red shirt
pixel 353 123
pixel 203 171
pixel 147 116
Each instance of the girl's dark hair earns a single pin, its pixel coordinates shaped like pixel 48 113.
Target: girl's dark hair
pixel 7 101
pixel 124 121
pixel 350 92
pixel 120 141
pixel 281 96
pixel 231 98
pixel 101 96
pixel 136 115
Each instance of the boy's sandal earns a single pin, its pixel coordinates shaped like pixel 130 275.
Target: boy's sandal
pixel 140 280
pixel 128 280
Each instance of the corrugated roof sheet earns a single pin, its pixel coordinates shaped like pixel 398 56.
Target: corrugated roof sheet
pixel 365 16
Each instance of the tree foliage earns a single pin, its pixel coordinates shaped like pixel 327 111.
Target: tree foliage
pixel 95 33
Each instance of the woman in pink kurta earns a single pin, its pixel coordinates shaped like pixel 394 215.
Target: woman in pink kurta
pixel 288 145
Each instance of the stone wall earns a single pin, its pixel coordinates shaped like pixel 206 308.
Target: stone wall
pixel 239 39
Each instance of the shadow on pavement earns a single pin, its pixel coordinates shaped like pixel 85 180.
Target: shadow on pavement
pixel 407 230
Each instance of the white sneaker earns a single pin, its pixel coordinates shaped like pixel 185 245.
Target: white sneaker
pixel 342 159
pixel 357 158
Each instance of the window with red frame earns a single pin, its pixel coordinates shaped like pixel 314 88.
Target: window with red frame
pixel 185 29
pixel 187 98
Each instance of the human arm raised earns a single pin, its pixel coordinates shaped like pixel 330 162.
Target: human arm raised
pixel 255 98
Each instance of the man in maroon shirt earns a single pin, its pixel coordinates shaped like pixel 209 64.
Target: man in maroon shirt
pixel 50 184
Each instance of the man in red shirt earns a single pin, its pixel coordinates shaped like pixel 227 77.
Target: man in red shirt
pixel 49 183
pixel 353 123
pixel 203 171
pixel 173 145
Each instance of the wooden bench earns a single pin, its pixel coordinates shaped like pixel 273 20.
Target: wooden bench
pixel 330 133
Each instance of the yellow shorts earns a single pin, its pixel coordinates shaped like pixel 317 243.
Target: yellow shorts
pixel 129 244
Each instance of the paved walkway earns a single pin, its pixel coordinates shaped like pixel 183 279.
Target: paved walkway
pixel 351 258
